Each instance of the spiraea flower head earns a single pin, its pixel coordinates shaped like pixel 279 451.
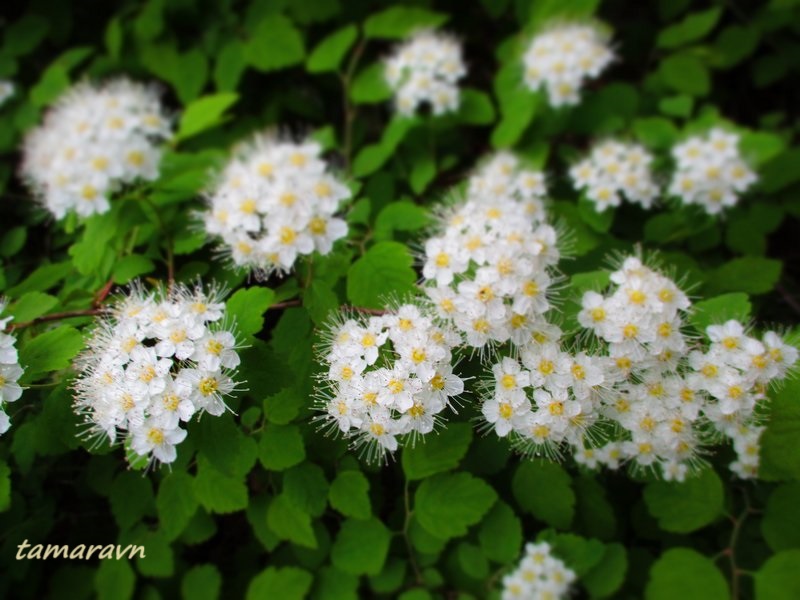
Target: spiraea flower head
pixel 562 57
pixel 666 388
pixel 10 370
pixel 275 200
pixel 389 377
pixel 96 139
pixel 614 171
pixel 425 70
pixel 710 171
pixel 159 359
pixel 540 574
pixel 488 266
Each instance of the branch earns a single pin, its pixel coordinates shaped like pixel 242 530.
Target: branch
pixel 69 314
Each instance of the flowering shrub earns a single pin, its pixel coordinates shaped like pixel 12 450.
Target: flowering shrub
pixel 415 300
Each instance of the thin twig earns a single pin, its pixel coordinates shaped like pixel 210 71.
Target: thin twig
pixel 350 110
pixel 69 314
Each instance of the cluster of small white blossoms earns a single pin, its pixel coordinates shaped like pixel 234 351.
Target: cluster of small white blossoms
pixel 94 140
pixel 563 57
pixel 660 390
pixel 388 376
pixel 426 69
pixel 614 170
pixel 735 372
pixel 542 396
pixel 158 360
pixel 275 201
pixel 487 270
pixel 10 371
pixel 710 171
pixel 7 89
pixel 540 575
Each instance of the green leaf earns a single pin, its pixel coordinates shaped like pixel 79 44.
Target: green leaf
pixel 24 35
pixel 693 27
pixel 781 522
pixel 202 582
pixel 780 172
pixel 130 267
pixel 472 561
pixel 306 488
pixel 719 309
pixel 50 351
pixel 328 54
pixel 544 489
pixel 734 44
pixel 31 305
pixel 399 21
pixel 290 522
pixel 599 221
pixel 274 44
pixel 779 577
pixel 222 443
pixel 361 547
pixel 333 584
pixel 687 506
pixel 5 486
pixel 247 307
pixel 581 554
pixel 500 534
pixel 349 494
pixel 218 492
pixel 447 505
pixel 686 574
pixel 383 272
pixel 158 560
pixel 287 583
pixel 114 580
pixel 684 73
pixel 749 274
pixel 230 65
pixel 518 106
pixel 438 452
pixel 204 113
pixel 476 108
pixel 131 497
pixel 176 503
pixel 780 453
pixel 607 576
pixel 676 106
pixel 656 132
pixel 281 447
pixel 370 86
pixel 400 216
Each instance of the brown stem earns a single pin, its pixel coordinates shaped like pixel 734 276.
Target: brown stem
pixel 87 312
pixel 350 110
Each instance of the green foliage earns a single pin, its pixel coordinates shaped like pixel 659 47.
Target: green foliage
pixel 260 503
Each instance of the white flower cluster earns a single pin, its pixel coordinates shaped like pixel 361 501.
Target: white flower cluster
pixel 10 371
pixel 545 397
pixel 7 89
pixel 159 359
pixel 540 575
pixel 486 271
pixel 614 170
pixel 710 171
pixel 96 139
pixel 275 201
pixel 661 391
pixel 388 376
pixel 563 57
pixel 426 69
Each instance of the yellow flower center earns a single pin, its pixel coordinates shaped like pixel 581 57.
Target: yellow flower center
pixel 208 385
pixel 506 410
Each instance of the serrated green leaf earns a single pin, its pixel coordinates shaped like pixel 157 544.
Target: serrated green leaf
pixel 544 489
pixel 383 272
pixel 719 309
pixel 202 582
pixel 287 583
pixel 438 452
pixel 281 447
pixel 693 27
pixel 398 21
pixel 274 44
pixel 686 506
pixel 289 522
pixel 176 503
pixel 247 307
pixel 329 53
pixel 349 494
pixel 779 577
pixel 447 505
pixel 50 351
pixel 204 113
pixel 361 547
pixel 500 534
pixel 685 573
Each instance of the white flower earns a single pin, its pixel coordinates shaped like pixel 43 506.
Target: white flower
pixel 273 202
pixel 159 359
pixel 561 58
pixel 10 371
pixel 540 574
pixel 93 141
pixel 387 376
pixel 710 171
pixel 425 70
